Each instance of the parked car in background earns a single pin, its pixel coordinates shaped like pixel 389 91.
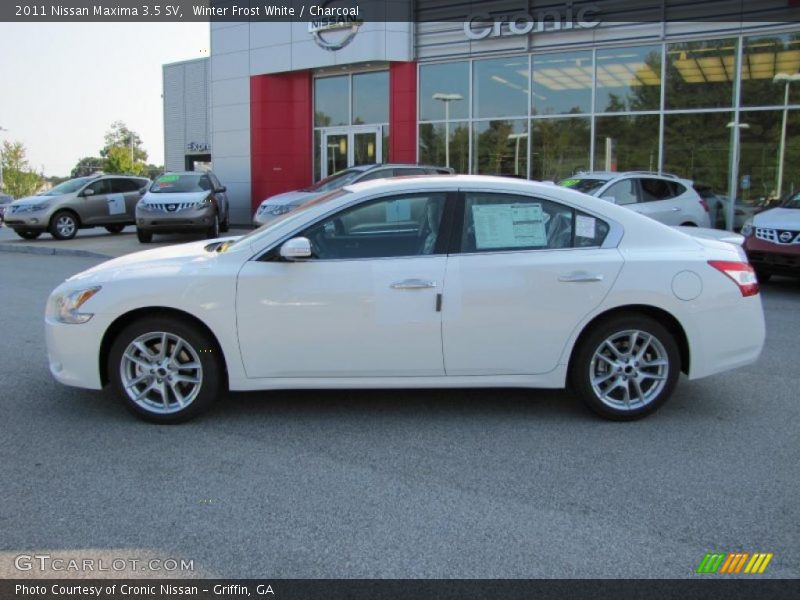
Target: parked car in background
pixel 718 208
pixel 183 201
pixel 97 201
pixel 5 200
pixel 462 281
pixel 274 206
pixel 665 198
pixel 772 240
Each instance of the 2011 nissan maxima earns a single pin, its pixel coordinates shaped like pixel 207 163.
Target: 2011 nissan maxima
pixel 458 281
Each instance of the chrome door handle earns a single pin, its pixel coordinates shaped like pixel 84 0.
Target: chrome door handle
pixel 413 284
pixel 580 277
pixel 676 208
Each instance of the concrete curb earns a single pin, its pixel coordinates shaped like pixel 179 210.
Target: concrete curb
pixel 25 249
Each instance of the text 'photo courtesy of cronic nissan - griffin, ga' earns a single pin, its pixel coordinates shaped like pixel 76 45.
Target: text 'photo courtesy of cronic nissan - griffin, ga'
pixel 452 281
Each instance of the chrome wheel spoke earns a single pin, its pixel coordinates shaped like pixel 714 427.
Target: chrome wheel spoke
pixel 656 376
pixel 613 349
pixel 185 379
pixel 637 389
pixel 142 364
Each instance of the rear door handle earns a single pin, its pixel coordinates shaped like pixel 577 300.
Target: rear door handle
pixel 413 284
pixel 580 277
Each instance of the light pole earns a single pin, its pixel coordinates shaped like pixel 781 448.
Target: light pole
pixel 2 183
pixel 517 137
pixel 735 127
pixel 447 99
pixel 788 80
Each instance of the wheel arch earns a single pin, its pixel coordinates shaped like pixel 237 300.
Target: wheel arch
pixel 129 317
pixel 66 209
pixel 659 314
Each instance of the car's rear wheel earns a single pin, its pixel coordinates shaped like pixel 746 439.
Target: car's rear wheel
pixel 27 234
pixel 213 231
pixel 64 225
pixel 626 367
pixel 225 226
pixel 115 228
pixel 144 236
pixel 165 370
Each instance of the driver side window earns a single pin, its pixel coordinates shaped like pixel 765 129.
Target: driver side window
pixel 401 225
pixel 101 186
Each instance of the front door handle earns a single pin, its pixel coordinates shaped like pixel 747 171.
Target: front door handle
pixel 413 284
pixel 580 277
pixel 676 209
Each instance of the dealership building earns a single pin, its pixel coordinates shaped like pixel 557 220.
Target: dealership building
pixel 535 94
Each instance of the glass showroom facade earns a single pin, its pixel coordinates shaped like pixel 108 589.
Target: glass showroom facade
pixel 711 110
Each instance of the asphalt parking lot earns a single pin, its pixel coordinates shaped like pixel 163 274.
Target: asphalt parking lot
pixel 435 484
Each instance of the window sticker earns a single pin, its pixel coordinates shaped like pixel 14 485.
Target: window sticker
pixel 508 226
pixel 569 182
pixel 168 178
pixel 398 210
pixel 585 226
pixel 116 204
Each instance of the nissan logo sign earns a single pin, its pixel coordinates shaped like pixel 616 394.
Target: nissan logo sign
pixel 786 236
pixel 336 25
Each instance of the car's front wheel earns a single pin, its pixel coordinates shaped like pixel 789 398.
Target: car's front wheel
pixel 213 231
pixel 165 370
pixel 626 367
pixel 144 236
pixel 28 234
pixel 64 225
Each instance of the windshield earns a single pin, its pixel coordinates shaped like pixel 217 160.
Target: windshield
pixel 176 184
pixel 295 213
pixel 335 181
pixel 68 187
pixel 793 201
pixel 587 186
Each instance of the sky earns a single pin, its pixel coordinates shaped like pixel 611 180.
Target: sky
pixel 62 85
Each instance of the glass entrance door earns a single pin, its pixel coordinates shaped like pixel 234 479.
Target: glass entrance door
pixel 344 147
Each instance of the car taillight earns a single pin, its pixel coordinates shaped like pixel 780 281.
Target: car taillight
pixel 741 273
pixel 704 204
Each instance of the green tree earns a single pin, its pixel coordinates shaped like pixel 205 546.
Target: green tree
pixel 19 179
pixel 87 165
pixel 123 151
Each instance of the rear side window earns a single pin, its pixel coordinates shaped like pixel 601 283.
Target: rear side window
pixel 408 171
pixel 623 192
pixel 659 189
pixel 124 186
pixel 506 222
pixel 379 174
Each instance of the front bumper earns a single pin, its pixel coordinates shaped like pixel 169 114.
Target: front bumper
pixel 73 351
pixel 187 219
pixel 30 221
pixel 768 257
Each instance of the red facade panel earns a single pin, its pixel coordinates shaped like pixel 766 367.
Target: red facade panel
pixel 281 136
pixel 403 112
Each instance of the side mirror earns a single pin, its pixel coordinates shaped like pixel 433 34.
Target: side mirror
pixel 296 249
pixel 221 190
pixel 89 192
pixel 142 191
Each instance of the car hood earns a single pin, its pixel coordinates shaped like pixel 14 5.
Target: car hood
pixel 166 261
pixel 28 200
pixel 778 218
pixel 289 197
pixel 176 198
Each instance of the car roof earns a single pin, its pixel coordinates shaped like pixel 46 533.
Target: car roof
pixel 391 165
pixel 185 173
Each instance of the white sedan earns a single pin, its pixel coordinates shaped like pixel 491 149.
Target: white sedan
pixel 427 282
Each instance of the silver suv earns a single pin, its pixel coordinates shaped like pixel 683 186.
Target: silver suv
pixel 99 200
pixel 663 197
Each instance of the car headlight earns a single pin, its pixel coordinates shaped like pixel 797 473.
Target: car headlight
pixel 145 206
pixel 281 209
pixel 65 306
pixel 205 201
pixel 31 207
pixel 747 228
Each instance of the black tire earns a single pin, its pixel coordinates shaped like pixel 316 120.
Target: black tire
pixel 688 224
pixel 144 236
pixel 115 228
pixel 225 226
pixel 27 234
pixel 763 276
pixel 628 372
pixel 64 225
pixel 151 407
pixel 213 231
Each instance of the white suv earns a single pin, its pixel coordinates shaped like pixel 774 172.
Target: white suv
pixel 663 197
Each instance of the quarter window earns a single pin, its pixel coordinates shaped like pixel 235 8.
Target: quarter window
pixel 497 222
pixel 401 225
